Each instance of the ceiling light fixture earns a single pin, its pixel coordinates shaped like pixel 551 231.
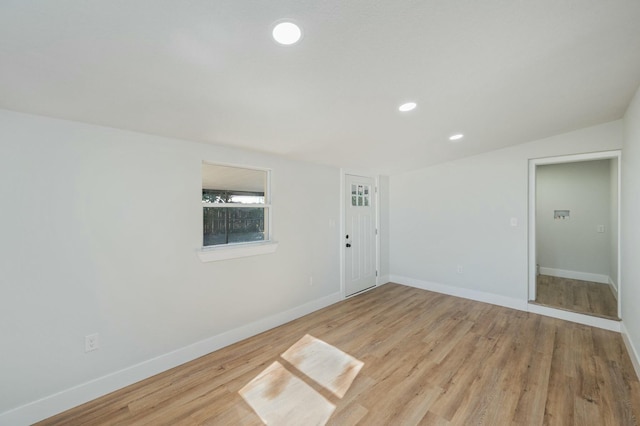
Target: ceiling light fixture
pixel 407 107
pixel 287 33
pixel 456 137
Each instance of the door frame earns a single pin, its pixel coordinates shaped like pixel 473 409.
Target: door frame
pixel 343 212
pixel 574 158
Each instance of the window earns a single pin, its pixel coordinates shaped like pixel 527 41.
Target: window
pixel 360 195
pixel 235 204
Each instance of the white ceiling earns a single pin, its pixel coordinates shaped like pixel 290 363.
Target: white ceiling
pixel 502 72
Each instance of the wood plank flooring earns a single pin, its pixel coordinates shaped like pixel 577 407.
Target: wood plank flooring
pixel 429 359
pixel 584 297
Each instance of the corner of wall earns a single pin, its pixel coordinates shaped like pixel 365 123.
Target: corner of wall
pixel 633 353
pixel 614 288
pixel 630 271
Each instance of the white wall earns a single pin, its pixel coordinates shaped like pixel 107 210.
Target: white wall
pixel 459 213
pixel 573 244
pixel 100 230
pixel 630 241
pixel 383 188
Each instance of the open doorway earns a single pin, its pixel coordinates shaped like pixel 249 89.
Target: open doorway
pixel 574 230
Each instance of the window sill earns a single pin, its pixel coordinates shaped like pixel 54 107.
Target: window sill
pixel 214 254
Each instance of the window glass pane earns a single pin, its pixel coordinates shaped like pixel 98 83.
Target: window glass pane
pixel 224 184
pixel 234 225
pixel 229 187
pixel 232 196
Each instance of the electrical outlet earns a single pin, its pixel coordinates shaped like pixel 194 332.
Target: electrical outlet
pixel 91 342
pixel 459 269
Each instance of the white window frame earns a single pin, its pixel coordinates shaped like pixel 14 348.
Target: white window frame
pixel 242 249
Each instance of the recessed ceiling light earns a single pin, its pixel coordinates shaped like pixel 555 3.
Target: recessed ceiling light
pixel 287 33
pixel 456 137
pixel 407 107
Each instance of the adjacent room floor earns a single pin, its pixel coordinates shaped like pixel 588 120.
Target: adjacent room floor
pixel 585 297
pixel 393 355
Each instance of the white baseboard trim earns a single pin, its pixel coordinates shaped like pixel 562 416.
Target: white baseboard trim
pixel 614 288
pixel 575 275
pixel 508 302
pixel 53 404
pixel 465 293
pixel 383 279
pixel 603 323
pixel 633 353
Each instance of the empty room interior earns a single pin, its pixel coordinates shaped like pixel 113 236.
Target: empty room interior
pixel 339 212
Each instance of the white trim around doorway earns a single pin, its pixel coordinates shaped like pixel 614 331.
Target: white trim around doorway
pixel 533 163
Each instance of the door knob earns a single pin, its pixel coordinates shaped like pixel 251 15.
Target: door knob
pixel 348 245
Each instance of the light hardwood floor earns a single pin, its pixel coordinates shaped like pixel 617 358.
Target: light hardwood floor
pixel 578 296
pixel 429 359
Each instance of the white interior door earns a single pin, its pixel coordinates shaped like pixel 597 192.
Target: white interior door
pixel 360 234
